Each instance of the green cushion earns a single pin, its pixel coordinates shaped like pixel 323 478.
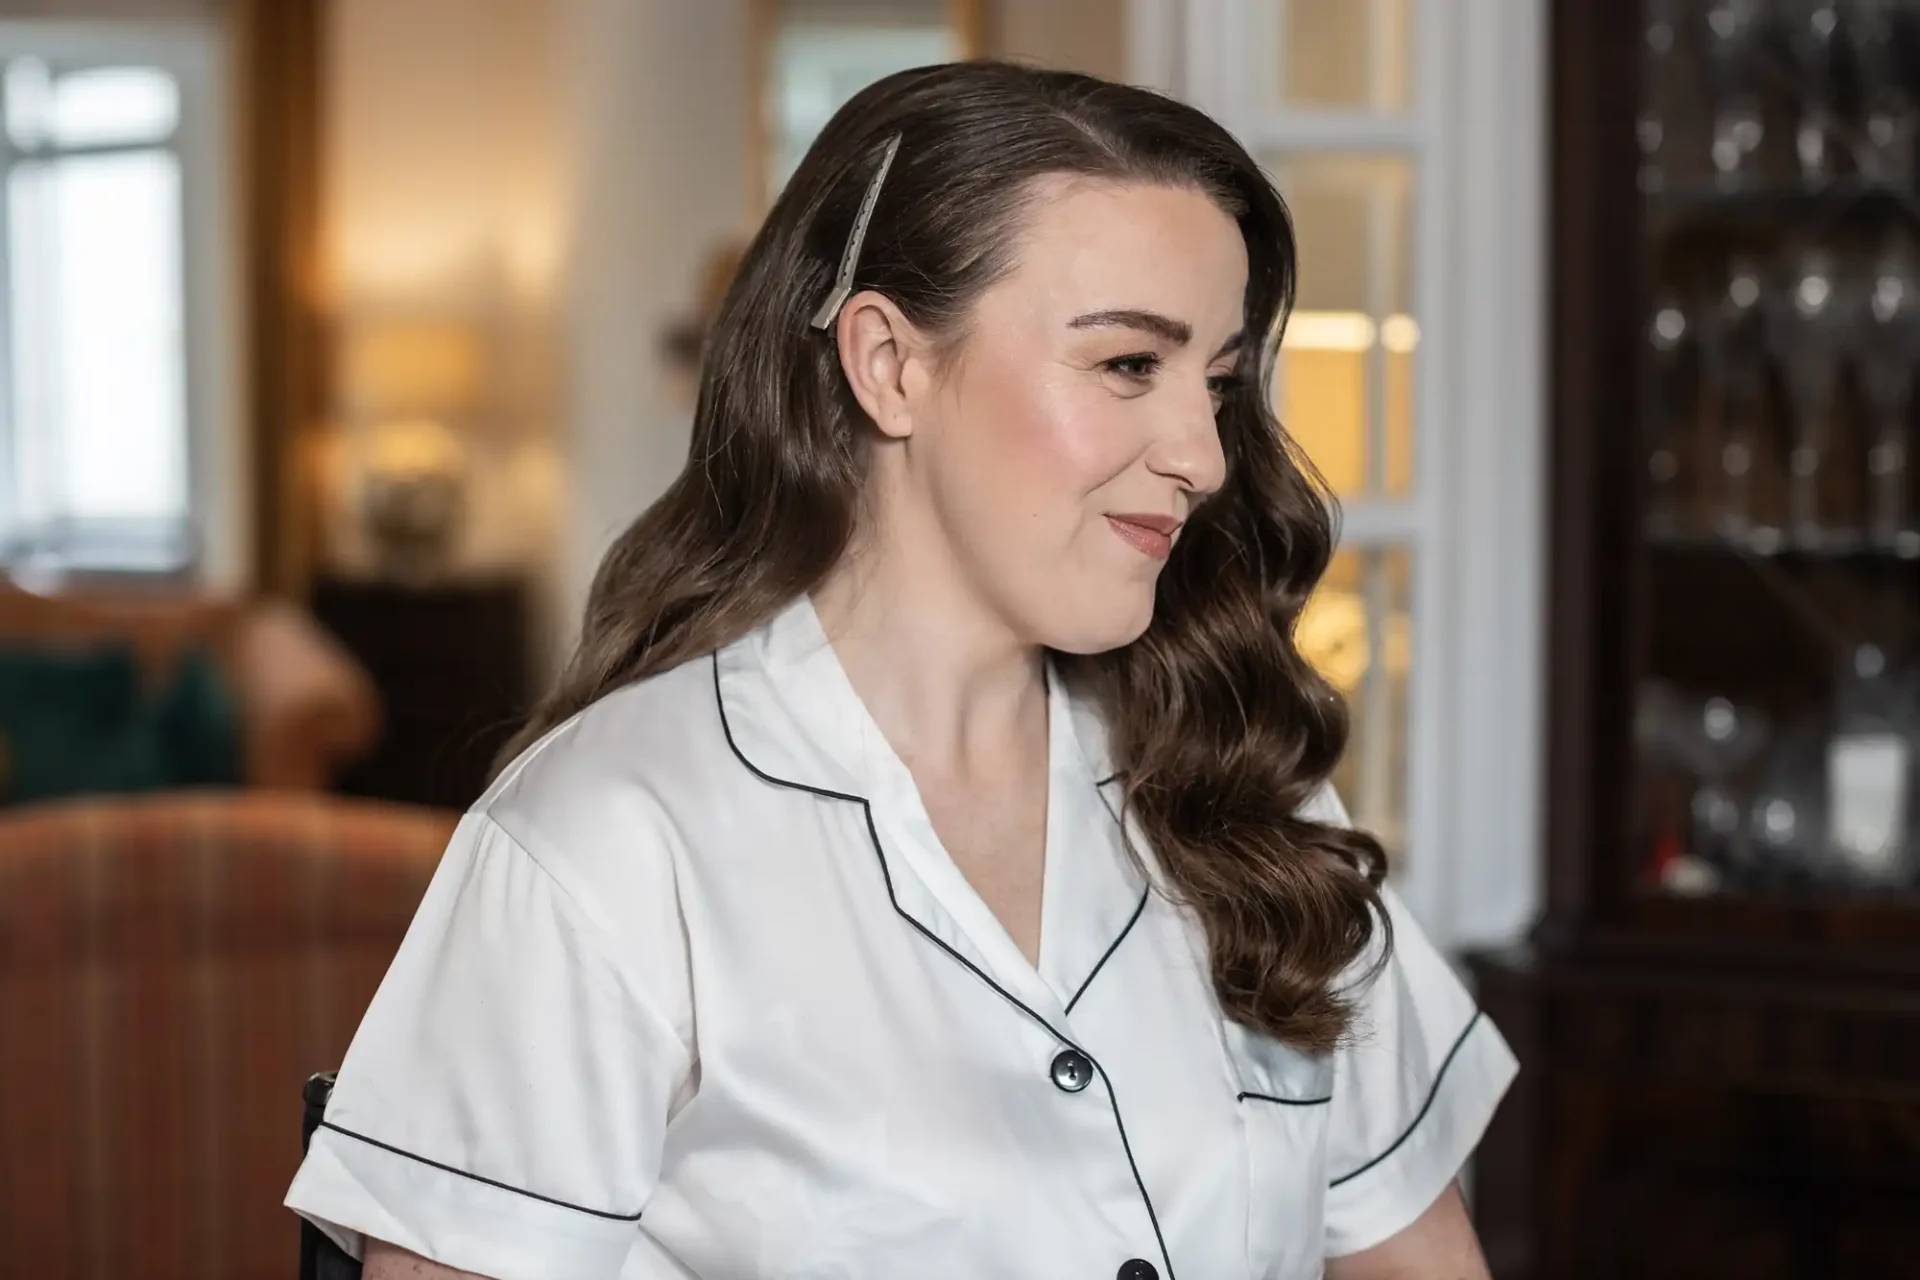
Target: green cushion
pixel 198 724
pixel 78 723
pixel 95 687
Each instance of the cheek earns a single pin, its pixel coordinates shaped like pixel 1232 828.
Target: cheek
pixel 1052 442
pixel 1022 508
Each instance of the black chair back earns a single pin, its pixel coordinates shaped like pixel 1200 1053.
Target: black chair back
pixel 320 1257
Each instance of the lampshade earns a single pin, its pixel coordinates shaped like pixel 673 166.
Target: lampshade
pixel 410 369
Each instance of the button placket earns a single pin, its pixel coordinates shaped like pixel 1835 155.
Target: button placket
pixel 1071 1072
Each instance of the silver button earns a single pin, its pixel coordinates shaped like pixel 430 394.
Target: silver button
pixel 1072 1070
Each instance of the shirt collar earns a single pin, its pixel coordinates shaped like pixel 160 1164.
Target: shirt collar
pixel 792 712
pixel 795 719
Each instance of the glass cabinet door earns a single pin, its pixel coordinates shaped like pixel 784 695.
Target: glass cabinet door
pixel 1776 729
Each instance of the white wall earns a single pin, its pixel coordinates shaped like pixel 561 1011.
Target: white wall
pixel 554 173
pixel 448 197
pixel 443 117
pixel 658 131
pixel 1079 35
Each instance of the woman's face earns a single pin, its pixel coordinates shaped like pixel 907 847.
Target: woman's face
pixel 1073 429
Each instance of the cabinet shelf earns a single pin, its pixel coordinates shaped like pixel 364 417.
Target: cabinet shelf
pixel 1775 201
pixel 1780 551
pixel 1837 550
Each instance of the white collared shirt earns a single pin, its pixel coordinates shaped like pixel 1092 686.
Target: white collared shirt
pixel 696 992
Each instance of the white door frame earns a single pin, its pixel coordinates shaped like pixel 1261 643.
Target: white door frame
pixel 1476 515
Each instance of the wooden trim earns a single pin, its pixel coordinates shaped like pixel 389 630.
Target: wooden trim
pixel 279 63
pixel 1594 238
pixel 972 20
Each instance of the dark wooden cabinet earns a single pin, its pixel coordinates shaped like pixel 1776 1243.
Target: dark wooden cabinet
pixel 1681 1118
pixel 1718 1014
pixel 454 669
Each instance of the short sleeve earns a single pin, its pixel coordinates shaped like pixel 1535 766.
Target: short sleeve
pixel 502 1107
pixel 1413 1090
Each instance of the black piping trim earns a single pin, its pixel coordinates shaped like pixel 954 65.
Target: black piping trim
pixel 447 1168
pixel 1112 947
pixel 1133 919
pixel 886 875
pixel 1439 1078
pixel 1285 1102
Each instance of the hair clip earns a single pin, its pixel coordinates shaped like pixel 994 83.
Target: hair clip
pixel 850 258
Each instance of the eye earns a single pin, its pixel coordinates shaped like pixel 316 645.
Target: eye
pixel 1222 385
pixel 1139 367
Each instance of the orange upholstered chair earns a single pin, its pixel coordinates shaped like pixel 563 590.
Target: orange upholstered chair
pixel 171 970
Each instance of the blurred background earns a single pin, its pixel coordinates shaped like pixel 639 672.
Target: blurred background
pixel 339 337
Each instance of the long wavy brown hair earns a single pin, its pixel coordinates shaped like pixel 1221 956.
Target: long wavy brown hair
pixel 1219 728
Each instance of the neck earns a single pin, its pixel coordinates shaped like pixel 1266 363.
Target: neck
pixel 950 685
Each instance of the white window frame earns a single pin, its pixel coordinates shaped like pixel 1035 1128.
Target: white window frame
pixel 195 52
pixel 1474 521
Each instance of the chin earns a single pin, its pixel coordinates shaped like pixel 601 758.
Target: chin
pixel 1112 621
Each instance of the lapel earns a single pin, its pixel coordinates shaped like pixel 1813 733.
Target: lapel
pixel 1095 886
pixel 795 720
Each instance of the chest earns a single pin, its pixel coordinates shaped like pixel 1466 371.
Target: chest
pixel 881 1094
pixel 996 836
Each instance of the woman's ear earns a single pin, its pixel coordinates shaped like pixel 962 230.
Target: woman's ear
pixel 882 355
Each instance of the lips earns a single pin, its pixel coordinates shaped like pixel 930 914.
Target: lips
pixel 1149 534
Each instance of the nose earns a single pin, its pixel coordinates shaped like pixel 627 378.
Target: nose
pixel 1187 448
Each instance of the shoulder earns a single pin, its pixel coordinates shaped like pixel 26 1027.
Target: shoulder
pixel 1325 806
pixel 606 800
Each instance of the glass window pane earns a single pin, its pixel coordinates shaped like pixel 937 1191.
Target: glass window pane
pixel 1323 404
pixel 98 410
pixel 114 106
pixel 1353 55
pixel 97 106
pixel 29 102
pixel 819 65
pixel 1347 368
pixel 1357 630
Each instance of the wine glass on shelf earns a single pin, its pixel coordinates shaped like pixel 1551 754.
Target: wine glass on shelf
pixel 1873 29
pixel 1835 801
pixel 1659 76
pixel 1716 738
pixel 1787 815
pixel 1664 788
pixel 1672 387
pixel 1734 359
pixel 1811 25
pixel 1733 39
pixel 1886 347
pixel 1806 329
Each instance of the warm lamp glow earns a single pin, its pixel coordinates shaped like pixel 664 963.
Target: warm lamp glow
pixel 1325 387
pixel 410 369
pixel 1332 635
pixel 1350 331
pixel 413 447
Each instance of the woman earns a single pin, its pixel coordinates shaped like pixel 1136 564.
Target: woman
pixel 803 936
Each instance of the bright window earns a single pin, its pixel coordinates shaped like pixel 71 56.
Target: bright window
pixel 1403 136
pixel 98 393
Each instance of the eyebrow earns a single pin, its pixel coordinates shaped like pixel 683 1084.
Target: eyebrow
pixel 1177 332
